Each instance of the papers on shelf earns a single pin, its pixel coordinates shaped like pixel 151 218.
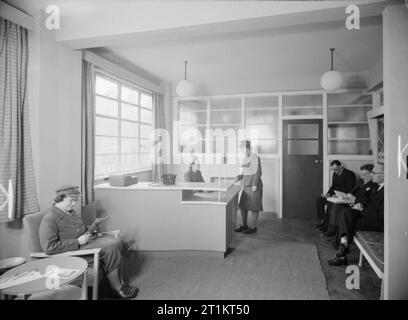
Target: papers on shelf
pixel 27 276
pixel 19 278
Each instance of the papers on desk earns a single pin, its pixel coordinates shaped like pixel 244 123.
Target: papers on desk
pixel 340 200
pixel 28 276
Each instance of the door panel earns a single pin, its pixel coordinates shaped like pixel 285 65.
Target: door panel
pixel 302 167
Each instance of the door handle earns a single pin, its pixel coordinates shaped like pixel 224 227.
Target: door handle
pixel 318 161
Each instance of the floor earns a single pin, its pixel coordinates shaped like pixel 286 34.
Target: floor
pixel 295 230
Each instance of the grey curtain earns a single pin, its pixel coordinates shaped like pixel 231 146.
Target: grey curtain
pixel 18 195
pixel 159 166
pixel 88 133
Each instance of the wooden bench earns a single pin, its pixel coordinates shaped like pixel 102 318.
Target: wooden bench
pixel 371 245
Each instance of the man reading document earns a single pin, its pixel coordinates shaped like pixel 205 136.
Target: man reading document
pixel 62 230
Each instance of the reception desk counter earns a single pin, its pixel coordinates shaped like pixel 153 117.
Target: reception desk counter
pixel 193 217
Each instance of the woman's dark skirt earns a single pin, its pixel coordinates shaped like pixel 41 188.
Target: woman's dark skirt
pixel 251 200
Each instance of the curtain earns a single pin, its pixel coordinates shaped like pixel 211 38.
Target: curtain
pixel 161 143
pixel 18 194
pixel 88 133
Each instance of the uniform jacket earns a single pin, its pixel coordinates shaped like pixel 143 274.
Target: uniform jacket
pixel 375 207
pixel 59 231
pixel 363 192
pixel 191 176
pixel 343 182
pixel 252 171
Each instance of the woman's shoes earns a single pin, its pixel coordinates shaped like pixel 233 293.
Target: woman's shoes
pixel 126 292
pixel 241 229
pixel 250 230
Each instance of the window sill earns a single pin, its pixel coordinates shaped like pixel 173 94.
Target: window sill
pixel 104 179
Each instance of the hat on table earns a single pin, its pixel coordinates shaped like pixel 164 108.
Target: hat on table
pixel 68 190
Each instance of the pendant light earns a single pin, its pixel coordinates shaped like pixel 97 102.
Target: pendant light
pixel 184 87
pixel 332 79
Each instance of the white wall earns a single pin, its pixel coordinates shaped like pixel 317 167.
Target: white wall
pixel 54 84
pixel 395 36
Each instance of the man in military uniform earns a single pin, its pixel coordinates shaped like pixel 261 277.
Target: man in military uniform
pixel 62 230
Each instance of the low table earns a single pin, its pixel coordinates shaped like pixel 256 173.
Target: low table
pixel 7 264
pixel 43 284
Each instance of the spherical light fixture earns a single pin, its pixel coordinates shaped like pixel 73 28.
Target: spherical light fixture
pixel 184 87
pixel 332 79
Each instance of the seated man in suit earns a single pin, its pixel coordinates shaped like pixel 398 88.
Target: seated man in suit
pixel 361 193
pixel 343 180
pixel 62 230
pixel 362 217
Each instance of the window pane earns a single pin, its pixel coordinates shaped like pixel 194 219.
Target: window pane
pixel 145 160
pixel 106 127
pixel 129 145
pixel 106 145
pixel 261 116
pixel 106 88
pixel 261 131
pixel 129 112
pixel 303 147
pixel 129 129
pixel 106 164
pixel 145 145
pixel 146 101
pixel 303 131
pixel 262 102
pixel 145 131
pixel 130 95
pixel 129 162
pixel 193 117
pixel 225 117
pixel 190 105
pixel 146 115
pixel 266 146
pixel 106 107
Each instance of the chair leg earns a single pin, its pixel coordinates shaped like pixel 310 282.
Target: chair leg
pixel 84 291
pixel 96 277
pixel 360 260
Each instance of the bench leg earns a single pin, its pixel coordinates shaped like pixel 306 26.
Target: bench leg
pixel 382 290
pixel 96 277
pixel 360 260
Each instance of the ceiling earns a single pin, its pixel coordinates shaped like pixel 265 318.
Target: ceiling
pixel 300 50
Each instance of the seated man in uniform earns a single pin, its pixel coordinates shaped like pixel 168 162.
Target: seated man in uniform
pixel 62 230
pixel 194 174
pixel 369 217
pixel 343 180
pixel 361 193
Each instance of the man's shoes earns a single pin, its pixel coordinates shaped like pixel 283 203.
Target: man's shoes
pixel 338 261
pixel 250 230
pixel 126 292
pixel 343 250
pixel 241 229
pixel 320 224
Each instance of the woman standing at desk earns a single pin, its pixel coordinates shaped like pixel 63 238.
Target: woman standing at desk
pixel 252 188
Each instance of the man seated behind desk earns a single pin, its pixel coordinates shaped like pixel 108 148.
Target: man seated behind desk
pixel 361 193
pixel 343 180
pixel 62 230
pixel 369 217
pixel 194 173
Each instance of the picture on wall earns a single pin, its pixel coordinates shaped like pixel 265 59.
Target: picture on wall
pixel 380 132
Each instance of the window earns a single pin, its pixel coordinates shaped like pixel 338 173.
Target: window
pixel 123 124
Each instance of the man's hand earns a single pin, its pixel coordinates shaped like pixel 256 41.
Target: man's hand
pixel 254 188
pixel 358 206
pixel 84 239
pixel 325 196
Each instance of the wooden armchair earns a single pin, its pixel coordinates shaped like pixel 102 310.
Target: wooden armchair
pixel 31 224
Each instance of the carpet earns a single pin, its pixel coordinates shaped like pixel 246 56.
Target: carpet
pixel 255 269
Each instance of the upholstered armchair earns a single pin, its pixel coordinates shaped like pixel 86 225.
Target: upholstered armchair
pixel 31 224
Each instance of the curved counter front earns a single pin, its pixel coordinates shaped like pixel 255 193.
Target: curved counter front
pixel 185 217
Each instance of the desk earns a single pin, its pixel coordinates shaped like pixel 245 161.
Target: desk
pixel 41 265
pixel 189 217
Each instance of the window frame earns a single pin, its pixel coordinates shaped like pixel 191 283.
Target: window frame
pixel 120 83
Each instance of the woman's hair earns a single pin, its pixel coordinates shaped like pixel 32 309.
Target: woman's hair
pixel 368 166
pixel 59 198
